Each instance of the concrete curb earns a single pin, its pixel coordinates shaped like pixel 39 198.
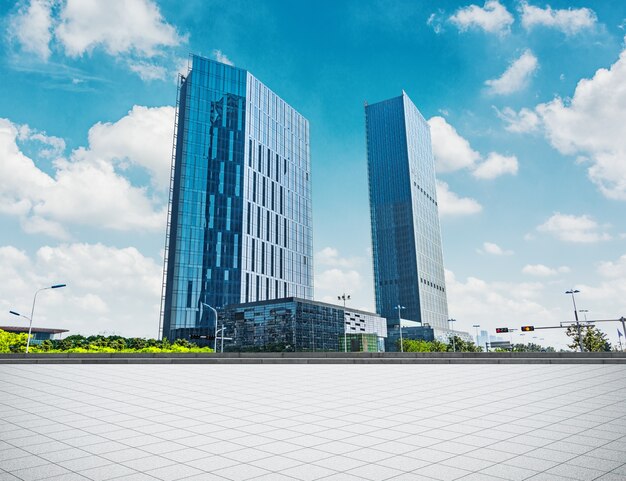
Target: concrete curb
pixel 320 358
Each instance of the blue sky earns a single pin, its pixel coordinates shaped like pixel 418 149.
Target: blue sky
pixel 527 106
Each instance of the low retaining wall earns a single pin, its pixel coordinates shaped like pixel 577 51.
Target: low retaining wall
pixel 323 358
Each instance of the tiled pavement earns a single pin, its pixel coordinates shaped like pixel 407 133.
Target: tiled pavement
pixel 333 422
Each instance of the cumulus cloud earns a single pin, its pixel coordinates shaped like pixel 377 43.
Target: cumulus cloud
pixel 571 228
pixel 591 126
pixel 453 152
pixel 450 204
pixel 492 304
pixel 88 187
pixel 524 121
pixel 336 274
pixel 496 165
pixel 131 30
pixel 108 289
pixel 117 26
pixel 143 137
pixel 494 249
pixel 31 27
pixel 329 256
pixel 593 123
pixel 569 21
pixel 540 270
pixel 516 76
pixel 612 269
pixel 493 17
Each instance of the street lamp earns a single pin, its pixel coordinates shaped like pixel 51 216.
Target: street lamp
pixel 345 298
pixel 399 307
pixel 476 326
pixel 215 313
pixel 453 336
pixel 32 311
pixel 580 341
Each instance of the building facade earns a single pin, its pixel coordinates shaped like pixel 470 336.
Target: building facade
pixel 295 324
pixel 239 220
pixel 406 237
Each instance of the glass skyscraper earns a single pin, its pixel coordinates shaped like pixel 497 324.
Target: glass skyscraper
pixel 239 221
pixel 406 237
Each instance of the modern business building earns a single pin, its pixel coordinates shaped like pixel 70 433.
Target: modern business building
pixel 294 324
pixel 239 220
pixel 409 278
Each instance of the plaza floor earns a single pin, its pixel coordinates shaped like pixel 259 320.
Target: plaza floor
pixel 305 422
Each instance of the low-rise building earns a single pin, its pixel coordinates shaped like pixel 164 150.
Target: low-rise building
pixel 294 324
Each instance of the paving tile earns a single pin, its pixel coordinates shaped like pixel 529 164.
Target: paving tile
pixel 106 472
pixel 241 472
pixel 540 422
pixel 441 472
pixel 40 472
pixel 308 472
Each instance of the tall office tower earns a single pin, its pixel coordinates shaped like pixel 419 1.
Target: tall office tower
pixel 406 238
pixel 239 221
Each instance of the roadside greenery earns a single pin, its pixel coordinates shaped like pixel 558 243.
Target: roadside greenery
pixel 460 345
pixel 10 342
pixel 593 339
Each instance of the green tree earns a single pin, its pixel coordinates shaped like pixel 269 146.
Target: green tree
pixel 12 342
pixel 531 347
pixel 593 339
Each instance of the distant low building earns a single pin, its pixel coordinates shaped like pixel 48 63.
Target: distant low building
pixel 294 324
pixel 39 334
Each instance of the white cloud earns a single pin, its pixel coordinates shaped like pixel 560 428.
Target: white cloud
pixel 221 57
pixel 452 152
pixel 540 270
pixel 516 77
pixel 54 146
pixel 336 275
pixel 496 304
pixel 88 188
pixel 117 26
pixel 495 166
pixel 143 137
pixel 571 228
pixel 613 269
pixel 492 18
pixel 570 21
pixel 450 204
pixel 148 71
pixel 130 30
pixel 494 249
pixel 108 289
pixel 329 256
pixel 31 27
pixel 524 121
pixel 591 126
pixel 593 123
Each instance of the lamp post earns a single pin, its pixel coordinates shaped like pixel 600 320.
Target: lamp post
pixel 32 311
pixel 477 326
pixel 453 336
pixel 345 298
pixel 215 313
pixel 399 307
pixel 572 292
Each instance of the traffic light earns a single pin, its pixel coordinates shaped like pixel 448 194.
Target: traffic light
pixel 528 328
pixel 500 330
